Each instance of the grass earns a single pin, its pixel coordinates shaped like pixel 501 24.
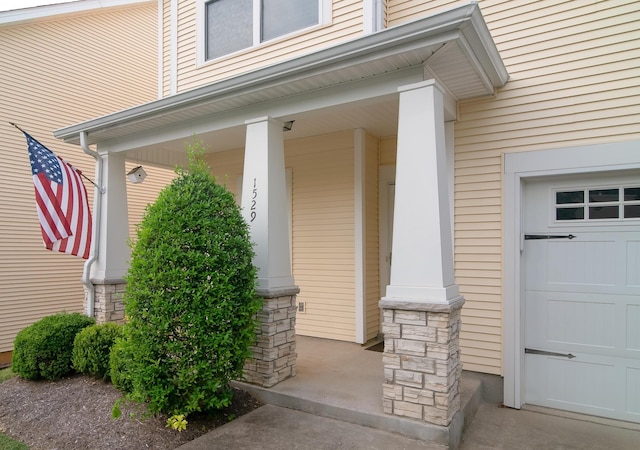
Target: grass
pixel 7 443
pixel 5 374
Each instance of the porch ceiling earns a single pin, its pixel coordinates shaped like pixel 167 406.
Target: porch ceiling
pixel 454 47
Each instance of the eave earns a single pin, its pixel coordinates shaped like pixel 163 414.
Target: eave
pixel 455 47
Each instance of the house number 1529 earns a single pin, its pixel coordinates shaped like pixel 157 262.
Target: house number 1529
pixel 253 200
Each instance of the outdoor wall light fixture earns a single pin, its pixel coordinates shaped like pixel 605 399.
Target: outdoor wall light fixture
pixel 137 175
pixel 288 125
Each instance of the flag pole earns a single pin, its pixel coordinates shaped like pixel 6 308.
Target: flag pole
pixel 79 171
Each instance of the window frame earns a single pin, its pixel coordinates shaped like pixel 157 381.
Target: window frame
pixel 587 203
pixel 324 18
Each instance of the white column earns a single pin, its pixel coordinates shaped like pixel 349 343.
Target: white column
pixel 113 250
pixel 422 268
pixel 264 202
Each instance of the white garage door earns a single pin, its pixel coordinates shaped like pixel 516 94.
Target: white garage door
pixel 582 295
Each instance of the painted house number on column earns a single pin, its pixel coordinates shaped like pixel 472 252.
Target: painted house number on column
pixel 253 200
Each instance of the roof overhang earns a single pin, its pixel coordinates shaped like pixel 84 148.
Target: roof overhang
pixel 454 47
pixel 22 15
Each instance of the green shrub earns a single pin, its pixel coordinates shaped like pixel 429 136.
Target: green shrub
pixel 190 297
pixel 43 349
pixel 91 349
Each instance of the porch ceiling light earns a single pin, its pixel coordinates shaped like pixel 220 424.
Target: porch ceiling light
pixel 137 175
pixel 288 126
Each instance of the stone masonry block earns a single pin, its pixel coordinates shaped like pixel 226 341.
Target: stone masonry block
pixel 410 317
pixel 406 409
pixel 391 361
pixel 418 364
pixel 408 378
pixel 419 333
pixel 419 396
pixel 391 330
pixel 410 347
pixel 391 391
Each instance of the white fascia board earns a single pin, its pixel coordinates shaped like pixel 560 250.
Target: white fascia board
pixel 427 31
pixel 41 12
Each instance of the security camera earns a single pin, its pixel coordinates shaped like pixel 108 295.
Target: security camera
pixel 137 175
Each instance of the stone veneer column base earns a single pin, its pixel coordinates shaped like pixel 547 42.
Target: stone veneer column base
pixel 274 355
pixel 108 300
pixel 421 359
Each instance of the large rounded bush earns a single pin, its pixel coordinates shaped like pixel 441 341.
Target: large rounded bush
pixel 92 347
pixel 43 349
pixel 190 297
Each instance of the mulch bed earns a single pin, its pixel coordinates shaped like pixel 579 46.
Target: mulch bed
pixel 75 413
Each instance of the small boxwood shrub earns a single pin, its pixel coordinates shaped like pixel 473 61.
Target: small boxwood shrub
pixel 91 349
pixel 43 349
pixel 190 297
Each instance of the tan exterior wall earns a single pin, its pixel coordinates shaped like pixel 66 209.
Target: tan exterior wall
pixel 574 74
pixel 346 24
pixel 55 72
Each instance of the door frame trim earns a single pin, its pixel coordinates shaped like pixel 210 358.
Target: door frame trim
pixel 519 168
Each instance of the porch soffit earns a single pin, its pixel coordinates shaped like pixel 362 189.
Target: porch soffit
pixel 454 47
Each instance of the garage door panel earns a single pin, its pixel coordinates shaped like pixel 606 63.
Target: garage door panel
pixel 633 392
pixel 569 322
pixel 633 264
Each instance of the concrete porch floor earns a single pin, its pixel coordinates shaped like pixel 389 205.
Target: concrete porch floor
pixel 343 381
pixel 335 402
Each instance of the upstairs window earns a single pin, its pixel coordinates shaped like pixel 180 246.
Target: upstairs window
pixel 233 25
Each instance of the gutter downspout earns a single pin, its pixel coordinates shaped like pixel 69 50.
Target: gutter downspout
pixel 95 239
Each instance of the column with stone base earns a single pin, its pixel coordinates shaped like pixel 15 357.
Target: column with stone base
pixel 274 354
pixel 422 360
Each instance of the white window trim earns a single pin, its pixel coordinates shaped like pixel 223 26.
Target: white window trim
pixel 324 18
pixel 373 16
pixel 519 167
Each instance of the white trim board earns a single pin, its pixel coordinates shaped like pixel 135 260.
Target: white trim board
pixel 518 168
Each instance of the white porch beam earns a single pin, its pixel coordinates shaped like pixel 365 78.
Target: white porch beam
pixel 264 203
pixel 422 268
pixel 113 250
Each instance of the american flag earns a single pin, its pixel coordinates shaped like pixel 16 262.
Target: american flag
pixel 61 201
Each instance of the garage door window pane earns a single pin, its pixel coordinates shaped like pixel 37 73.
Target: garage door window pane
pixel 603 212
pixel 632 194
pixel 562 198
pixel 604 195
pixel 632 211
pixel 569 213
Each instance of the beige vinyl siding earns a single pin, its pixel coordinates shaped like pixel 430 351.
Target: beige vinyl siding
pixel 140 195
pixel 573 70
pixel 372 270
pixel 346 24
pixel 55 72
pixel 227 167
pixel 323 234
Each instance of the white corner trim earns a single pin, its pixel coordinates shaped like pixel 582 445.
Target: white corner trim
pixel 518 168
pixel 173 88
pixel 160 48
pixel 359 142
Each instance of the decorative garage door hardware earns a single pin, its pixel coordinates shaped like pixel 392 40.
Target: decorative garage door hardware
pixel 534 351
pixel 528 237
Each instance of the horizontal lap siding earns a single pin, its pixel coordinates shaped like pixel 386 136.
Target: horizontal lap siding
pixel 346 24
pixel 323 234
pixel 141 195
pixel 54 73
pixel 574 74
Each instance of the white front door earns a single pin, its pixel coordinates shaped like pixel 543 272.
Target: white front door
pixel 581 254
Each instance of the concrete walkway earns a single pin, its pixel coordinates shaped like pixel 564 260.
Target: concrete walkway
pixel 335 402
